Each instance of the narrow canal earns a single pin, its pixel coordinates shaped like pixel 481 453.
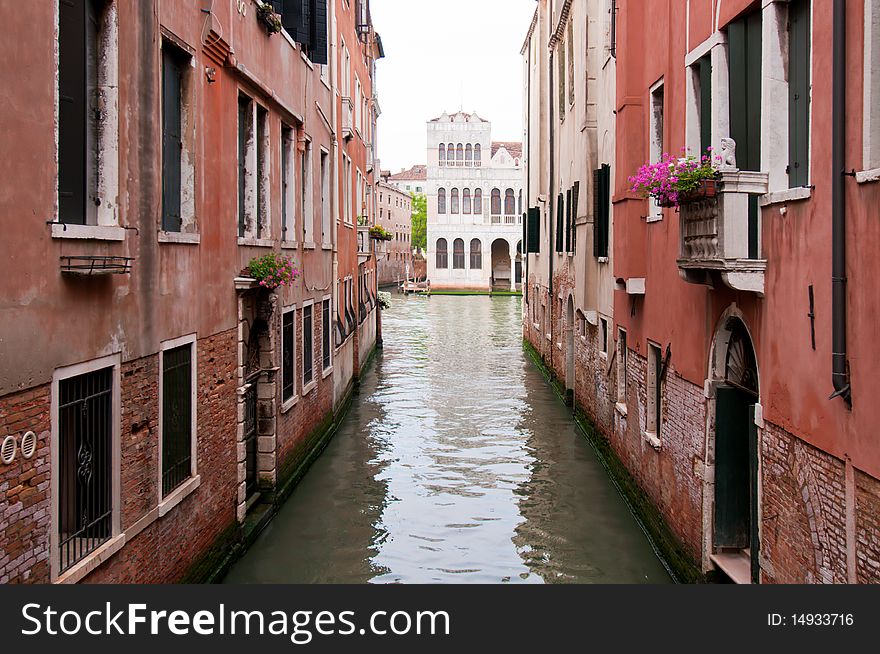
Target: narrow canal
pixel 457 463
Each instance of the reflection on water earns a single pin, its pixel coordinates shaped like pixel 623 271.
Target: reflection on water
pixel 457 463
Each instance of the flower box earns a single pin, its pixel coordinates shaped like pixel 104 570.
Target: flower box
pixel 270 20
pixel 676 181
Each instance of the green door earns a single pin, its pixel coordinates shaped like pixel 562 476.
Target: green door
pixel 732 467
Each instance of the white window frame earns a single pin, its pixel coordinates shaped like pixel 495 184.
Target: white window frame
pixel 871 105
pixel 176 496
pixel 288 194
pixel 326 231
pixel 106 227
pixel 307 195
pixel 291 401
pixel 117 539
pixel 307 387
pixel 326 372
pixel 656 127
pixel 652 409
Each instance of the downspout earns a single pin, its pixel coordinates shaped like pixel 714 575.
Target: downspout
pixel 839 365
pixel 551 201
pixel 527 247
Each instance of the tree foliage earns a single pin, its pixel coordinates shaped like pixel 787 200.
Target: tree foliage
pixel 420 221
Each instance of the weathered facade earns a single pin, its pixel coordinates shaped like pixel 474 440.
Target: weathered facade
pixel 395 216
pixel 174 399
pixel 736 316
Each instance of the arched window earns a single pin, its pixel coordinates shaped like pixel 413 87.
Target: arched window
pixel 520 201
pixel 442 254
pixel 458 254
pixel 454 201
pixel 468 155
pixel 466 201
pixel 476 254
pixel 442 154
pixel 450 154
pixel 478 200
pixel 509 203
pixel 441 201
pixel 459 154
pixel 496 202
pixel 478 155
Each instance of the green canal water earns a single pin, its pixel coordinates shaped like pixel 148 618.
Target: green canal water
pixel 456 464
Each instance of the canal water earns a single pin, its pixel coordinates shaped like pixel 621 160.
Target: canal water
pixel 456 463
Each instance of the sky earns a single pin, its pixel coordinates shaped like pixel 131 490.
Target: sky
pixel 451 55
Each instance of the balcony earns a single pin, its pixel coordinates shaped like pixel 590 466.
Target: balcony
pixel 347 118
pixel 364 243
pixel 506 220
pixel 715 234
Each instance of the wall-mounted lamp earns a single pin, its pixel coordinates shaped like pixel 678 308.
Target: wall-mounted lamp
pixel 211 74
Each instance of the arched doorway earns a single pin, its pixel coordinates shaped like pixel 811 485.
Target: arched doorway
pixel 501 264
pixel 569 352
pixel 519 263
pixel 735 534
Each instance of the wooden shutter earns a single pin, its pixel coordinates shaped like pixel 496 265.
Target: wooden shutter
pixel 319 54
pixel 72 107
pixel 172 142
pixel 601 210
pixel 732 472
pixel 705 71
pixel 533 242
pixel 575 193
pixel 293 17
pixel 799 93
pixel 744 51
pixel 568 221
pixel 560 209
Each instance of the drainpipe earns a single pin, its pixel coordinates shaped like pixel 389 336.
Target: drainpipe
pixel 839 367
pixel 551 200
pixel 528 135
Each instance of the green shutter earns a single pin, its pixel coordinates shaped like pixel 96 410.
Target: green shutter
pixel 72 106
pixel 568 221
pixel 172 142
pixel 560 209
pixel 601 210
pixel 705 70
pixel 799 93
pixel 744 51
pixel 534 231
pixel 732 470
pixel 575 192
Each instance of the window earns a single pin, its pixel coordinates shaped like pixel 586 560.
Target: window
pixel 85 462
pixel 178 414
pixel 458 254
pixel 325 197
pixel 476 254
pixel 245 128
pixel 520 202
pixel 466 201
pixel 263 181
pixel 347 190
pixel 306 193
pixel 306 22
pixel 468 155
pixel 799 92
pixel 601 211
pixel 88 120
pixel 571 62
pixel 560 222
pixel 533 231
pixel 287 183
pixel 441 154
pixel 442 262
pixel 450 154
pixel 288 355
pixel 172 138
pixel 509 203
pixel 603 335
pixel 655 366
pixel 454 197
pixel 441 201
pixel 478 155
pixel 655 133
pixel 478 200
pixel 459 154
pixel 560 57
pixel 568 221
pixel 704 77
pixel 308 356
pixel 621 366
pixel 496 202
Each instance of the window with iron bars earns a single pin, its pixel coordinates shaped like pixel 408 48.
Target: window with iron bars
pixel 177 407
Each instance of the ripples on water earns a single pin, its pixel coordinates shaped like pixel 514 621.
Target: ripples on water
pixel 457 463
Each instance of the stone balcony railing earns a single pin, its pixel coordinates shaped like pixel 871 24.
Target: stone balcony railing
pixel 715 234
pixel 506 220
pixel 347 118
pixel 364 243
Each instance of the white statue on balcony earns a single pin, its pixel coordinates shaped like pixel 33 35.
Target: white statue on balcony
pixel 728 154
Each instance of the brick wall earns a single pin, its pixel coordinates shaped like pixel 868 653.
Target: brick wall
pixel 24 490
pixel 867 528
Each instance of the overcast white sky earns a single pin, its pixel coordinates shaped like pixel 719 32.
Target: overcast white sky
pixel 450 55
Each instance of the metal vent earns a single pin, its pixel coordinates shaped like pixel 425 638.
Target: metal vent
pixel 28 445
pixel 7 450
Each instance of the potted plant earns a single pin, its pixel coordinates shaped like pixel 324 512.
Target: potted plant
pixel 673 182
pixel 271 20
pixel 273 270
pixel 362 221
pixel 380 233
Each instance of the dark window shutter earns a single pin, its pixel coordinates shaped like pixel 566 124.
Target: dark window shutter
pixel 568 221
pixel 799 92
pixel 278 6
pixel 732 470
pixel 534 231
pixel 304 32
pixel 172 142
pixel 72 107
pixel 575 193
pixel 319 54
pixel 597 210
pixel 560 208
pixel 287 345
pixel 744 50
pixel 294 18
pixel 601 210
pixel 705 70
